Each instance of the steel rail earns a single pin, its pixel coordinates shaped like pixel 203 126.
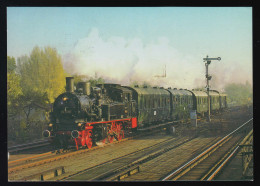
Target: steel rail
pixel 14 169
pixel 120 172
pixel 28 145
pixel 29 158
pixel 111 174
pixel 213 175
pixel 109 161
pixel 203 153
pixel 222 164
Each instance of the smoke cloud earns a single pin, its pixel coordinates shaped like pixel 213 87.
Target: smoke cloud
pixel 124 61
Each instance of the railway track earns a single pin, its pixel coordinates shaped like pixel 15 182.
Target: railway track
pixel 51 156
pixel 28 146
pixel 108 170
pixel 121 167
pixel 206 165
pixel 112 173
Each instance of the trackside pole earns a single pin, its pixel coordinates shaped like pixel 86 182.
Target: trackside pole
pixel 207 61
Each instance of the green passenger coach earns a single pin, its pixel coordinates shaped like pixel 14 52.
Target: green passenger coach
pixel 182 103
pixel 153 104
pixel 200 100
pixel 214 100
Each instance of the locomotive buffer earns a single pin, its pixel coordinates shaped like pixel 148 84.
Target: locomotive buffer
pixel 207 61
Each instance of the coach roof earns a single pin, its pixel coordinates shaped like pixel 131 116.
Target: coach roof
pixel 150 91
pixel 199 93
pixel 180 92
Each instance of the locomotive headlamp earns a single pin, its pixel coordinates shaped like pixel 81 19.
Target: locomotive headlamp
pixel 79 124
pixel 65 98
pixel 50 125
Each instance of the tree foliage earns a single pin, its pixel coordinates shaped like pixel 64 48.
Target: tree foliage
pixel 42 72
pixel 11 65
pixel 34 82
pixel 14 90
pixel 94 82
pixel 239 94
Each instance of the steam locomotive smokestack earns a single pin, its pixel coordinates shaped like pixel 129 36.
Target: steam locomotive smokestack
pixel 86 88
pixel 70 84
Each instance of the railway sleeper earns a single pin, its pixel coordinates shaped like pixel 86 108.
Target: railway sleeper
pixel 43 176
pixel 125 173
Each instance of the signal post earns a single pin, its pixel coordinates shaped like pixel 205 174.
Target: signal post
pixel 207 61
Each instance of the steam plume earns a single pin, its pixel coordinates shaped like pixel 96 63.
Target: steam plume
pixel 120 60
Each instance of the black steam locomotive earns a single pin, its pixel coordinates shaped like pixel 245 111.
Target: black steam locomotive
pixel 88 114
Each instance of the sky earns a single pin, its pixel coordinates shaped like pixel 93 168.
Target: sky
pixel 128 44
